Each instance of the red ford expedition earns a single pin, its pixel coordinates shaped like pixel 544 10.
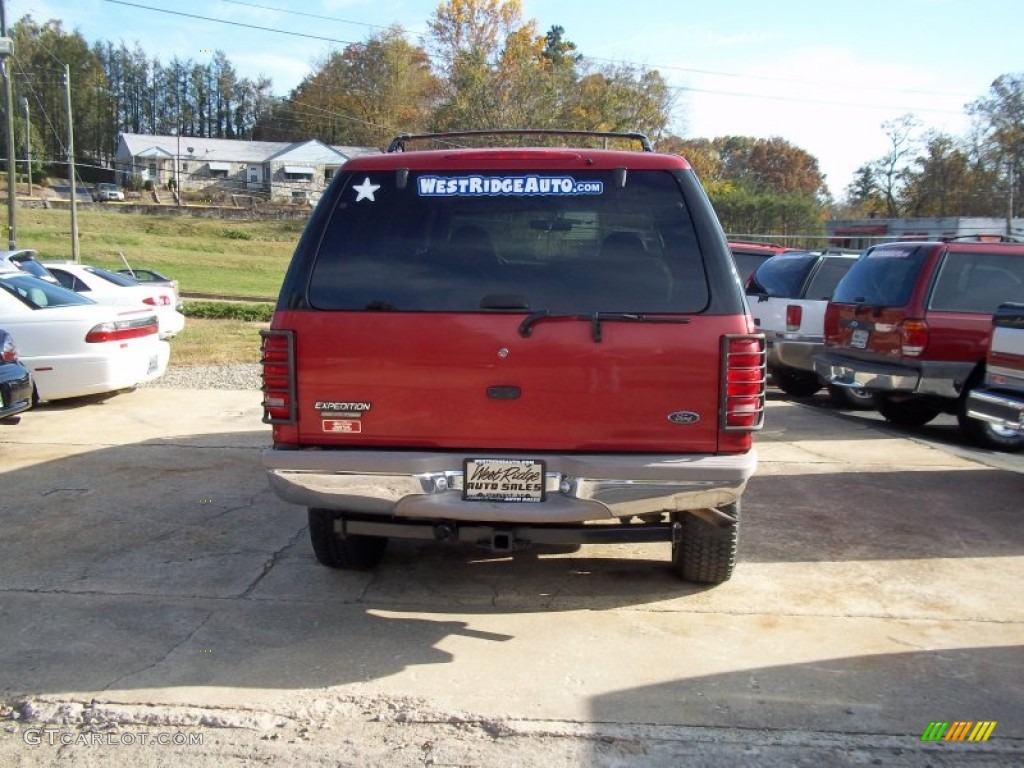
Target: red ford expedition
pixel 514 345
pixel 911 322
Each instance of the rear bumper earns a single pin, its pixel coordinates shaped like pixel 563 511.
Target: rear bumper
pixel 791 353
pixel 1002 408
pixel 921 377
pixel 15 390
pixel 428 485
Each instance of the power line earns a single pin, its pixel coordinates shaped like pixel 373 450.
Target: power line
pixel 820 102
pixel 232 23
pixel 307 15
pixel 792 81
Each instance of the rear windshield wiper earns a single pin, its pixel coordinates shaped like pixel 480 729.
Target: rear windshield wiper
pixel 596 318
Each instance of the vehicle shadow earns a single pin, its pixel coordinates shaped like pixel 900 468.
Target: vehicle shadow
pixel 168 563
pixel 852 697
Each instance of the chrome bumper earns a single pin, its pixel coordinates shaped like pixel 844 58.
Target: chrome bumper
pixel 1003 409
pixel 790 353
pixel 940 379
pixel 428 485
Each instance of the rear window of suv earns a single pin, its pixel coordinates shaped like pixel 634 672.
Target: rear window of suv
pixel 782 276
pixel 564 243
pixel 883 277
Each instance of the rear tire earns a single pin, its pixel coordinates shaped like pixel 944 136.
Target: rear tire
pixel 796 383
pixel 852 399
pixel 986 434
pixel 913 412
pixel 353 553
pixel 706 552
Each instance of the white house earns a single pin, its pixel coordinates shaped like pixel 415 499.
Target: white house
pixel 297 171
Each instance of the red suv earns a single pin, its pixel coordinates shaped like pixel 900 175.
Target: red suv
pixel 514 345
pixel 911 322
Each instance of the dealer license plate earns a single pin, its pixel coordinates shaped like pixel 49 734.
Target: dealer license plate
pixel 154 363
pixel 513 480
pixel 859 339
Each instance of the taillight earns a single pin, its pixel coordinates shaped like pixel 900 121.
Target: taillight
pixel 794 316
pixel 278 361
pixel 157 301
pixel 743 382
pixel 8 352
pixel 913 337
pixel 122 330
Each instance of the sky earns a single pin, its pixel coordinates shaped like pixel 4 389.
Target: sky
pixel 822 75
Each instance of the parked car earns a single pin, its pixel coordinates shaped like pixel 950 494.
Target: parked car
pixel 749 256
pixel 151 277
pixel 106 192
pixel 911 322
pixel 514 346
pixel 15 381
pixel 107 287
pixel 25 260
pixel 788 295
pixel 74 346
pixel 1000 402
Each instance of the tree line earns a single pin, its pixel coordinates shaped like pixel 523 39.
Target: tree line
pixel 480 65
pixel 931 173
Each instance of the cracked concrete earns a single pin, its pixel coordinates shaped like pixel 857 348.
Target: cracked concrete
pixel 179 594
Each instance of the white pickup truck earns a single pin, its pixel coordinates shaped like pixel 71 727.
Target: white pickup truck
pixel 1000 402
pixel 788 295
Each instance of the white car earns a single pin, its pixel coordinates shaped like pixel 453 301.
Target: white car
pixel 24 259
pixel 74 346
pixel 107 192
pixel 105 287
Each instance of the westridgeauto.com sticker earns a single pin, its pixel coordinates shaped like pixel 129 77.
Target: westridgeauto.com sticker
pixel 473 186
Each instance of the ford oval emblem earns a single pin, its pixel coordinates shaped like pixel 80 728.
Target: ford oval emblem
pixel 684 417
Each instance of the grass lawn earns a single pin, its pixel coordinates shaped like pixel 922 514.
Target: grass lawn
pixel 216 342
pixel 243 258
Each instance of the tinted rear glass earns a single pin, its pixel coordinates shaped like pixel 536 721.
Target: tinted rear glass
pixel 782 276
pixel 123 280
pixel 566 243
pixel 39 294
pixel 823 282
pixel 883 277
pixel 978 282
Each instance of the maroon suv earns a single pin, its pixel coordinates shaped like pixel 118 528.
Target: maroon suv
pixel 911 322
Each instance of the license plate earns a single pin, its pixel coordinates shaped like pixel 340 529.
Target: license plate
pixel 512 480
pixel 859 339
pixel 154 363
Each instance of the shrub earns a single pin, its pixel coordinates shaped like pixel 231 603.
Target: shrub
pixel 237 234
pixel 228 310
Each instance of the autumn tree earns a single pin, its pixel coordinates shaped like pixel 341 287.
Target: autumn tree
pixel 758 186
pixel 862 194
pixel 999 117
pixel 891 168
pixel 366 93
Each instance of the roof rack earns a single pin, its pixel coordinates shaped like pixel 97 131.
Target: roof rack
pixel 983 237
pixel 398 143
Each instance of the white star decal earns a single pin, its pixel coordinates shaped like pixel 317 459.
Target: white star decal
pixel 365 191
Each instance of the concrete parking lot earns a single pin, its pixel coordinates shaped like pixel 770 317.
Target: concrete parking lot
pixel 150 583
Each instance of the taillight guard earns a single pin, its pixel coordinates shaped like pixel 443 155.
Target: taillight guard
pixel 278 361
pixel 744 381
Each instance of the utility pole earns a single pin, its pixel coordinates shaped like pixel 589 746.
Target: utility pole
pixel 71 166
pixel 6 49
pixel 28 144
